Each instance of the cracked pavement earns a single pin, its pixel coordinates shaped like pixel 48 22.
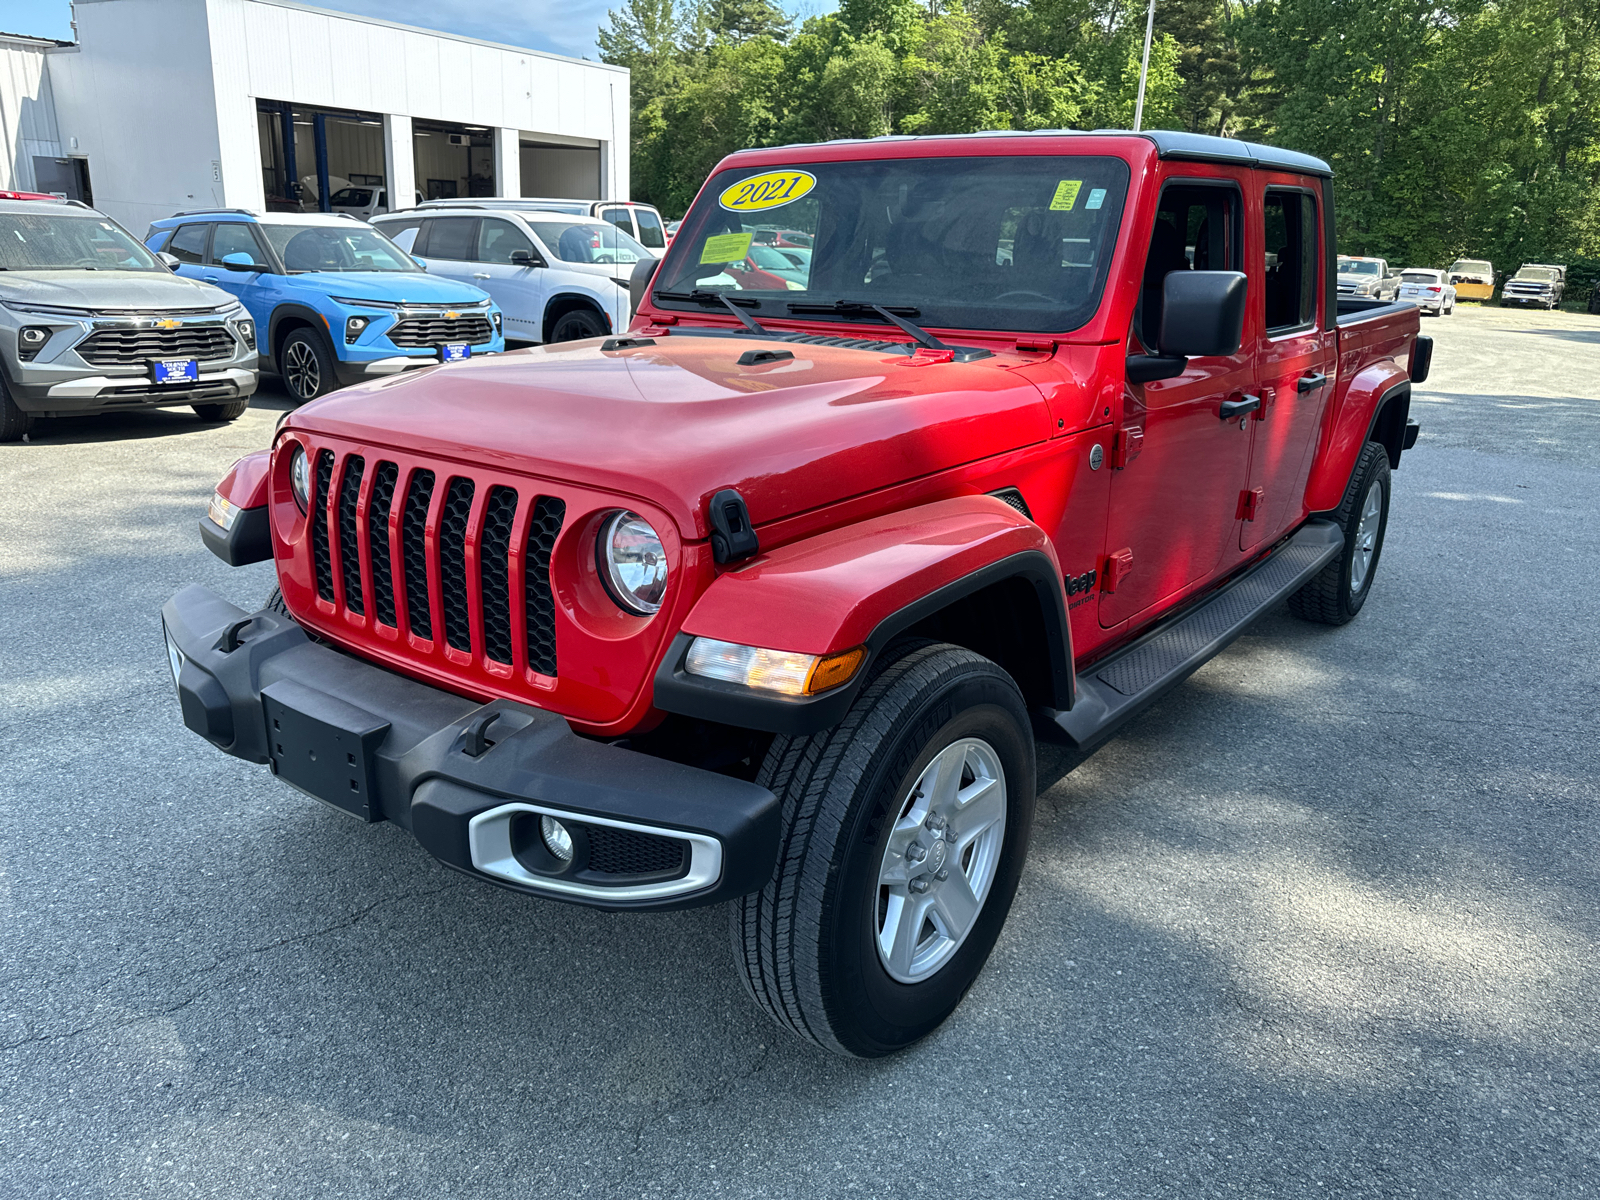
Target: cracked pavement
pixel 1322 923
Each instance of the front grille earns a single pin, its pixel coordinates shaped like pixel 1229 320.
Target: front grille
pixel 428 569
pixel 131 347
pixel 623 852
pixel 321 560
pixel 349 552
pixel 421 332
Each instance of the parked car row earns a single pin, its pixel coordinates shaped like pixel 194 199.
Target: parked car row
pixel 1542 284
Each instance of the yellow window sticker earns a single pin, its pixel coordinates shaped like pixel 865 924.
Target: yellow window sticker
pixel 772 190
pixel 726 248
pixel 1066 195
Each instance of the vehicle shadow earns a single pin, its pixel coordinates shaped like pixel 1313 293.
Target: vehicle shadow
pixel 1589 337
pixel 142 424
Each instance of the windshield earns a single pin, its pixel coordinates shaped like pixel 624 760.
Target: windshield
pixel 1539 274
pixel 1011 243
pixel 336 248
pixel 1349 267
pixel 588 242
pixel 1420 276
pixel 54 242
pixel 1471 266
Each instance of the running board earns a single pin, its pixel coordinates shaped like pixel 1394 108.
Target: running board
pixel 1113 691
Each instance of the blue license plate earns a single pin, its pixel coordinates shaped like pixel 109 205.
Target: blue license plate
pixel 454 351
pixel 175 370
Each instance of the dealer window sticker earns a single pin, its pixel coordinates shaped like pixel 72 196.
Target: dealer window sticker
pixel 1066 195
pixel 1097 197
pixel 726 248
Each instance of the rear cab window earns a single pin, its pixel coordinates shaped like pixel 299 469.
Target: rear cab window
pixel 652 236
pixel 1291 270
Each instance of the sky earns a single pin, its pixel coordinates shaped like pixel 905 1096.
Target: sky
pixel 560 26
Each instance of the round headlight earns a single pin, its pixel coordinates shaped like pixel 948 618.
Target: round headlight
pixel 632 563
pixel 300 477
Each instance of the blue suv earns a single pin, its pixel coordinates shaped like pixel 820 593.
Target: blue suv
pixel 334 300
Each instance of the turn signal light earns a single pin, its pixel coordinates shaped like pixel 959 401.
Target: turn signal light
pixel 782 671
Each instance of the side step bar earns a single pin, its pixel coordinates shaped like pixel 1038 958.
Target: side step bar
pixel 1114 691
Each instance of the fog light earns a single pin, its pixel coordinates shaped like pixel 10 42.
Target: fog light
pixel 31 340
pixel 781 671
pixel 353 327
pixel 496 317
pixel 556 838
pixel 247 333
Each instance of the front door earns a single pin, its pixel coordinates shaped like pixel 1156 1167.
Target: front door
pixel 518 287
pixel 1174 503
pixel 1295 361
pixel 238 237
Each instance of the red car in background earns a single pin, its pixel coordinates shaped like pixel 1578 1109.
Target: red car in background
pixel 27 196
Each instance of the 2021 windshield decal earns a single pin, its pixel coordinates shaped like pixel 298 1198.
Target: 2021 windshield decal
pixel 772 190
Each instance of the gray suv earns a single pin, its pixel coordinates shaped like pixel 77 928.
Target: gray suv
pixel 90 321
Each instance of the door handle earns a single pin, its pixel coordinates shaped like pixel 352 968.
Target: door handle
pixel 480 275
pixel 1310 383
pixel 1238 408
pixel 209 278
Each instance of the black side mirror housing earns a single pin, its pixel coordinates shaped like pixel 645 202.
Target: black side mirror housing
pixel 639 281
pixel 524 258
pixel 1202 314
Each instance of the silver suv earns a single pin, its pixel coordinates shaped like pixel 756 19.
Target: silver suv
pixel 90 320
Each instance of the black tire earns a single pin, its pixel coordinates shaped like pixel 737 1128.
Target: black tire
pixel 275 602
pixel 1334 596
pixel 806 944
pixel 578 324
pixel 14 423
pixel 306 365
pixel 228 410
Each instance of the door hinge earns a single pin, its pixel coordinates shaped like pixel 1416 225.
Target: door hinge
pixel 1249 505
pixel 1129 441
pixel 1118 567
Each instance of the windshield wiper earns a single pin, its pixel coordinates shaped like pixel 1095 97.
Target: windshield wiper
pixel 707 296
pixel 854 308
pixel 919 335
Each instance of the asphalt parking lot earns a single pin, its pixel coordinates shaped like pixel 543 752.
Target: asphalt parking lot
pixel 1323 923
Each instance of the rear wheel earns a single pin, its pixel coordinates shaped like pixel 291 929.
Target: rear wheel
pixel 230 410
pixel 1336 593
pixel 903 837
pixel 578 324
pixel 306 365
pixel 14 423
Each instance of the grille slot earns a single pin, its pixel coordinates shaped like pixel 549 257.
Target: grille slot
pixel 383 481
pixel 414 549
pixel 538 603
pixel 321 558
pixel 453 515
pixel 421 332
pixel 131 347
pixel 624 852
pixel 349 541
pixel 494 572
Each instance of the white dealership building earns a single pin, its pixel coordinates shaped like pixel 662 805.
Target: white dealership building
pixel 164 105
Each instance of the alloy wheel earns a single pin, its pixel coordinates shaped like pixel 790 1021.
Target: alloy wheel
pixel 1366 536
pixel 940 860
pixel 301 371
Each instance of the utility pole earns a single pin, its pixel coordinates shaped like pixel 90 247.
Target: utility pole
pixel 1144 67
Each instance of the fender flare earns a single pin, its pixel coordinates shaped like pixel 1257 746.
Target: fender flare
pixel 300 312
pixel 864 585
pixel 1377 403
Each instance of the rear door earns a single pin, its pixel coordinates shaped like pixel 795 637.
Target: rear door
pixel 1174 507
pixel 447 244
pixel 188 246
pixel 1295 356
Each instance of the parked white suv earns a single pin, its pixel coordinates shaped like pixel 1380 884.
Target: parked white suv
pixel 556 276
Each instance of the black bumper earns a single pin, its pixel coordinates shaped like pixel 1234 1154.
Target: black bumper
pixel 471 782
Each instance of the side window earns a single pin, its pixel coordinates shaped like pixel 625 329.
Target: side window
pixel 651 235
pixel 451 237
pixel 405 234
pixel 1291 267
pixel 1198 228
pixel 235 237
pixel 189 243
pixel 156 240
pixel 498 240
pixel 618 217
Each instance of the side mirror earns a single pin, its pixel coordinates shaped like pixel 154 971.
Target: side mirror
pixel 239 261
pixel 524 258
pixel 419 262
pixel 639 282
pixel 1202 316
pixel 171 260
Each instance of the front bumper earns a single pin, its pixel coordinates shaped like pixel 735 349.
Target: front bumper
pixel 469 781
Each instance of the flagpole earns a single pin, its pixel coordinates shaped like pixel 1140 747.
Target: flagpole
pixel 1144 67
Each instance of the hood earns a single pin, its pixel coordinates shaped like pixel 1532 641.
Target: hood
pixel 405 287
pixel 153 290
pixel 676 421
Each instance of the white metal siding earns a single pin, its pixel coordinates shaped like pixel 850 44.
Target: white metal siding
pixel 27 113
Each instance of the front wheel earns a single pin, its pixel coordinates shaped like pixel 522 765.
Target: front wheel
pixel 578 324
pixel 14 423
pixel 904 832
pixel 306 365
pixel 1336 593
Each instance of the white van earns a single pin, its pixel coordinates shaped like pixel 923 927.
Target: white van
pixel 556 276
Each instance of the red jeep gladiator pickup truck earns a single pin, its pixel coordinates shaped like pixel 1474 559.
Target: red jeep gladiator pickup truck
pixel 766 601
